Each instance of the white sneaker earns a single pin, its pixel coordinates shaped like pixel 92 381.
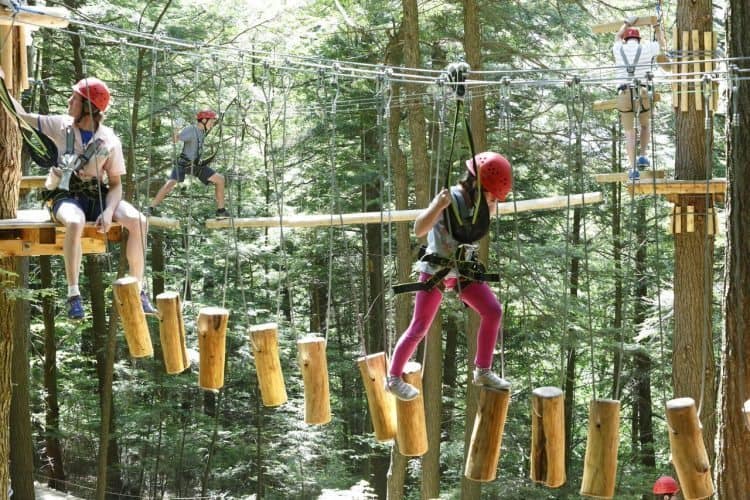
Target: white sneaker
pixel 402 390
pixel 484 377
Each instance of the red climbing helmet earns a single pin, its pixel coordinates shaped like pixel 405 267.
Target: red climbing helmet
pixel 631 33
pixel 666 485
pixel 494 173
pixel 95 91
pixel 205 114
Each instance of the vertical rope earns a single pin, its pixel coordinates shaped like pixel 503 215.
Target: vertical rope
pixel 334 205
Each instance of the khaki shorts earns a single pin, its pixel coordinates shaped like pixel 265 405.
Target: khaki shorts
pixel 625 107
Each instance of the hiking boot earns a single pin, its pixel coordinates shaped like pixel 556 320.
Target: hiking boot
pixel 643 162
pixel 222 213
pixel 75 307
pixel 146 303
pixel 402 390
pixel 634 175
pixel 484 377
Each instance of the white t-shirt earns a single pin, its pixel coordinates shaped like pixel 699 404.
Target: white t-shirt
pixel 108 161
pixel 649 50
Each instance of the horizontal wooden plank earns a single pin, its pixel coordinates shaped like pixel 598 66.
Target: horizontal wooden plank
pixel 21 248
pixel 615 26
pixel 29 182
pixel 608 104
pixel 163 222
pixel 623 176
pixel 548 203
pixel 36 15
pixel 678 187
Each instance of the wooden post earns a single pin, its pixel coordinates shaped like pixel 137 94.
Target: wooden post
pixel 212 334
pixel 128 302
pixel 411 430
pixel 382 405
pixel 487 435
pixel 688 450
pixel 314 367
pixel 548 436
pixel 23 62
pixel 6 55
pixel 172 332
pixel 600 462
pixel 265 344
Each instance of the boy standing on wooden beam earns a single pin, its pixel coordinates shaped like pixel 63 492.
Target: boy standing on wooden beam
pixel 633 60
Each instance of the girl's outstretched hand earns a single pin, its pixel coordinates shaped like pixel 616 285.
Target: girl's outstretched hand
pixel 443 198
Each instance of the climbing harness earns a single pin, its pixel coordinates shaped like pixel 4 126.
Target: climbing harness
pixel 466 225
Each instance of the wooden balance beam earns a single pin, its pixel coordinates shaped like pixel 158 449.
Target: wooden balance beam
pixel 33 233
pixel 615 26
pixel 548 203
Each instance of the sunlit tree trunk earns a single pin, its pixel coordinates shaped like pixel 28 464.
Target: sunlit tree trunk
pixel 693 274
pixel 732 471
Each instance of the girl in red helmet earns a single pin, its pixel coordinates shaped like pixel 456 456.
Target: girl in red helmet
pixel 495 178
pixel 666 488
pixel 633 60
pixel 94 191
pixel 192 138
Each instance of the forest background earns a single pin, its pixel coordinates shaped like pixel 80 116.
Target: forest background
pixel 588 293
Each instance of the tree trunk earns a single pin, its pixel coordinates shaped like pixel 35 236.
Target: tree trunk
pixel 53 448
pixel 478 120
pixel 21 454
pixel 693 276
pixel 571 353
pixel 10 177
pixel 732 473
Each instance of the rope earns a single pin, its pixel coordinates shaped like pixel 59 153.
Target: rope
pixel 334 200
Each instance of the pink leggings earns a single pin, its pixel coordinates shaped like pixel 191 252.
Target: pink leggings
pixel 478 296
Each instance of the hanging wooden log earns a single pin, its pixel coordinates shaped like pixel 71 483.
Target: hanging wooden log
pixel 127 292
pixel 487 435
pixel 212 335
pixel 382 405
pixel 548 436
pixel 172 332
pixel 688 450
pixel 600 462
pixel 411 433
pixel 265 344
pixel 314 367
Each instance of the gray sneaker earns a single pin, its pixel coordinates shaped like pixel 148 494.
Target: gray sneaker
pixel 484 377
pixel 402 390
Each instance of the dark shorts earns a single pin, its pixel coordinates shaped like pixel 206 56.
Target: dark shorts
pixel 88 204
pixel 181 168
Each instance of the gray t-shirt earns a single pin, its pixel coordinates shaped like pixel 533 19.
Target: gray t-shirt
pixel 192 141
pixel 439 239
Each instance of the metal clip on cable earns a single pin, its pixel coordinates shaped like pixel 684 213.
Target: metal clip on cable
pixel 707 89
pixel 457 76
pixel 733 71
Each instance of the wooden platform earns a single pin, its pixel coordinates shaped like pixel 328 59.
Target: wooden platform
pixel 615 26
pixel 29 182
pixel 508 207
pixel 33 233
pixel 671 189
pixel 623 176
pixel 608 104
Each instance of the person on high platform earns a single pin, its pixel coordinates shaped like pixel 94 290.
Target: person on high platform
pixel 92 190
pixel 633 60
